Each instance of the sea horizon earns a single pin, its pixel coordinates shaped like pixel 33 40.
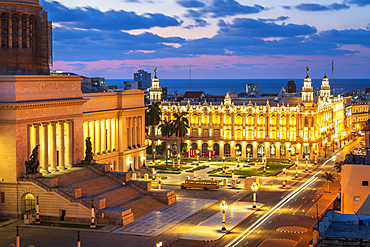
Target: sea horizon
pixel 222 86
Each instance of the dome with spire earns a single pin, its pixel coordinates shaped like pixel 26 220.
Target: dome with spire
pixel 291 87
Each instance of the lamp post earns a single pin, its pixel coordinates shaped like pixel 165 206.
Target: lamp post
pixel 168 154
pixel 284 182
pixel 37 221
pixel 197 157
pixel 264 165
pixel 92 224
pixel 306 163
pixel 178 162
pixel 315 157
pixel 232 173
pixel 238 157
pixel 254 188
pixel 236 154
pixel 248 149
pixel 209 154
pixel 195 172
pixel 296 169
pixel 223 165
pixel 223 207
pixel 289 154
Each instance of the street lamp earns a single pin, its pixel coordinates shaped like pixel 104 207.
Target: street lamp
pixel 248 149
pixel 236 154
pixel 223 207
pixel 315 157
pixel 209 154
pixel 223 165
pixel 159 244
pixel 284 183
pixel 306 162
pixel 195 172
pixel 232 173
pixel 264 165
pixel 197 157
pixel 254 188
pixel 289 153
pixel 178 162
pixel 296 169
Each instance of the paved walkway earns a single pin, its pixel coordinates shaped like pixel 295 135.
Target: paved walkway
pixel 210 229
pixel 160 220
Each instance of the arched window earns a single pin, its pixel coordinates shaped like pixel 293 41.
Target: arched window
pixel 204 148
pixel 282 120
pixel 292 120
pixel 250 120
pixel 29 203
pixel 216 149
pixel 216 133
pixel 238 134
pixel 260 150
pixel 227 134
pixel 306 150
pixel 306 121
pixel 292 150
pixel 250 134
pixel 272 150
pixel 227 119
pixel 273 120
pixel 216 119
pixel 249 149
pixel 195 133
pixel 261 120
pixel 227 150
pixel 205 119
pixel 194 119
pixel 194 145
pixel 238 120
pixel 282 150
pixel 205 133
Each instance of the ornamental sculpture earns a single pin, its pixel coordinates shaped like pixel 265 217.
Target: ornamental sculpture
pixel 33 164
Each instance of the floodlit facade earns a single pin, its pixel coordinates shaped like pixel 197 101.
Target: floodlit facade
pixel 299 124
pixel 51 111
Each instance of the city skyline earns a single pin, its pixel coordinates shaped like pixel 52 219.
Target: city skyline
pixel 219 38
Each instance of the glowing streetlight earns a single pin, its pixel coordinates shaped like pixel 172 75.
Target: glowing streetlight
pixel 209 154
pixel 284 183
pixel 254 188
pixel 289 153
pixel 223 207
pixel 223 165
pixel 296 169
pixel 159 244
pixel 264 165
pixel 315 157
pixel 248 149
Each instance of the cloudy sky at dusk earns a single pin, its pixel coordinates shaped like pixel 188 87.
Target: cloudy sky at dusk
pixel 232 39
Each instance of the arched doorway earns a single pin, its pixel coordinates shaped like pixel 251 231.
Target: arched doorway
pixel 260 150
pixel 216 148
pixel 204 148
pixel 249 150
pixel 29 203
pixel 306 151
pixel 292 150
pixel 282 150
pixel 272 150
pixel 227 150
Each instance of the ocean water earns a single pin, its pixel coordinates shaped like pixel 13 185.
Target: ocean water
pixel 222 86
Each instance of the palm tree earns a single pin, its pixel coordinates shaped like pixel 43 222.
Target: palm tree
pixel 152 119
pixel 329 178
pixel 338 166
pixel 181 127
pixel 167 131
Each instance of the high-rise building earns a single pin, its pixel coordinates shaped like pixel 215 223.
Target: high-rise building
pixel 26 38
pixel 144 77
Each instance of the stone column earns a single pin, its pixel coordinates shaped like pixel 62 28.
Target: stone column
pixel 118 131
pixel 44 162
pixel 103 136
pixel 113 134
pixel 109 135
pixel 97 137
pixel 61 145
pixel 92 136
pixel 53 147
pixel 69 144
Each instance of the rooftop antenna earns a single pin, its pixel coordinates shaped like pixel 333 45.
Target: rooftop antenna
pixel 332 75
pixel 190 78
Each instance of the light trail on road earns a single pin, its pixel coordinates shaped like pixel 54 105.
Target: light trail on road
pixel 267 215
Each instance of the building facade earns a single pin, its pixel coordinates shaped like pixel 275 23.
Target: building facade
pixel 360 114
pixel 143 77
pixel 299 124
pixel 52 112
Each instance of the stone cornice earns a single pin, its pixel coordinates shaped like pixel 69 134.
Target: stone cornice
pixel 46 103
pixel 42 120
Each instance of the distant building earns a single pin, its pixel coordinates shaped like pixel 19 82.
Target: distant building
pixel 132 85
pixel 194 95
pixel 291 88
pixel 360 114
pixel 252 88
pixel 144 77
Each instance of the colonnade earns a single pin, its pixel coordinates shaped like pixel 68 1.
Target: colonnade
pixel 55 140
pixel 134 127
pixel 103 135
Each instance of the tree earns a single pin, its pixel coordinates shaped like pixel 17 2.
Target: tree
pixel 181 127
pixel 329 178
pixel 167 131
pixel 338 166
pixel 152 119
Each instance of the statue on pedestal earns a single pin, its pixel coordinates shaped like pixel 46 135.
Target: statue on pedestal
pixel 33 164
pixel 88 151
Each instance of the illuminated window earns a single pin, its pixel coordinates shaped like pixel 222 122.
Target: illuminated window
pixel 194 119
pixel 216 119
pixel 238 134
pixel 273 120
pixel 227 119
pixel 292 120
pixel 261 120
pixel 356 198
pixel 205 119
pixel 283 120
pixel 238 120
pixel 250 120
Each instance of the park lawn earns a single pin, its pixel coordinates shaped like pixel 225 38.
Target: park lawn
pixel 170 168
pixel 226 163
pixel 273 169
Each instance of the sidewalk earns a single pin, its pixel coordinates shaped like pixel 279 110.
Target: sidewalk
pixel 210 229
pixel 325 200
pixel 160 220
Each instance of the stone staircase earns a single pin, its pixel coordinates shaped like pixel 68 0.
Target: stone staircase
pixel 117 200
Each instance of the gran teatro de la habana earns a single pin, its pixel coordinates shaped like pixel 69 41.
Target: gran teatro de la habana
pixel 302 124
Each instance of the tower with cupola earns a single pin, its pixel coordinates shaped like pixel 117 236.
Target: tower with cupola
pixel 155 91
pixel 325 89
pixel 307 90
